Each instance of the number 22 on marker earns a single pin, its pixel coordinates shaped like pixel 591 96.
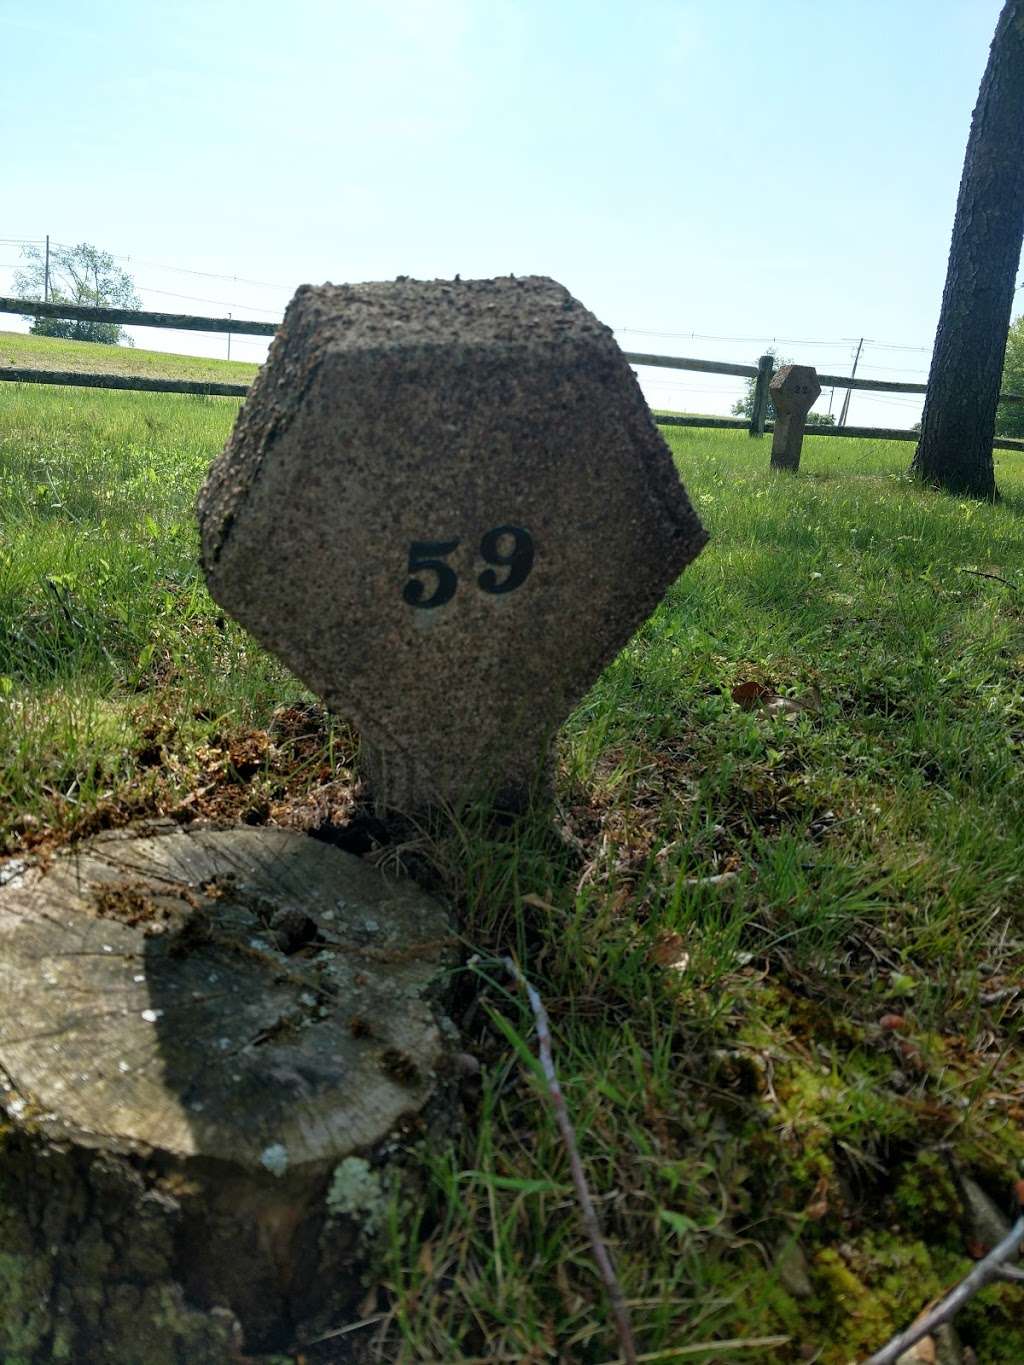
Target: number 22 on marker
pixel 430 557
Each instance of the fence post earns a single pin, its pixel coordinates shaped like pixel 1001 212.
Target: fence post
pixel 759 407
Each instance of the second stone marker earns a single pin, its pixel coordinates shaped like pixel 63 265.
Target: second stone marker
pixel 445 506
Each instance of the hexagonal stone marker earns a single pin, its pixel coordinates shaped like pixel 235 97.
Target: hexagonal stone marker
pixel 794 390
pixel 445 506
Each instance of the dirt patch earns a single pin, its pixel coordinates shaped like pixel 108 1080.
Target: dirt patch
pixel 296 772
pixel 136 903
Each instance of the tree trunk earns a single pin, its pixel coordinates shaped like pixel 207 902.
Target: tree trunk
pixel 220 1053
pixel 955 450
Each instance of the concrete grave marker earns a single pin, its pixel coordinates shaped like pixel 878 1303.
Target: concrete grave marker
pixel 794 390
pixel 445 506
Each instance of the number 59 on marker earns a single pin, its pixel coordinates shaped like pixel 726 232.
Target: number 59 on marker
pixel 507 549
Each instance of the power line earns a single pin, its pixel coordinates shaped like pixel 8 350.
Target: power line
pixel 844 341
pixel 638 331
pixel 236 340
pixel 898 402
pixel 191 298
pixel 207 274
pixel 890 345
pixel 704 336
pixel 183 270
pixel 892 369
pixel 782 341
pixel 675 377
pixel 694 388
pixel 221 303
pixel 194 298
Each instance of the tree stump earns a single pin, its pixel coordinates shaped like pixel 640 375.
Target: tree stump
pixel 216 1047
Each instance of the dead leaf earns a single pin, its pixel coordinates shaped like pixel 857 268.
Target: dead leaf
pixel 538 903
pixel 784 706
pixel 987 1223
pixel 811 699
pixel 910 1055
pixel 751 694
pixel 817 1206
pixel 669 951
pixel 921 1353
pixel 369 1303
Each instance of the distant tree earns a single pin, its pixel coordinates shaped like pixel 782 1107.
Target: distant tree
pixel 958 424
pixel 1010 416
pixel 744 407
pixel 81 275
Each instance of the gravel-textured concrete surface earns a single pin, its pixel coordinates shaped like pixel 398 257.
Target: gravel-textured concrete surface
pixel 490 428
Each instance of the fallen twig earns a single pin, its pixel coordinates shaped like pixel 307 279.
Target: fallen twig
pixel 699 1348
pixel 348 1327
pixel 600 1249
pixel 997 997
pixel 719 879
pixel 987 1270
pixel 980 573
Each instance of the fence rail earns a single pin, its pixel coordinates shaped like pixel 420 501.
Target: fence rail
pixel 80 379
pixel 683 362
pixel 135 317
pixel 192 323
pixel 864 433
pixel 84 379
pixel 827 381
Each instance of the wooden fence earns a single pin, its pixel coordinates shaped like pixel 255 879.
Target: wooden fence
pixel 756 424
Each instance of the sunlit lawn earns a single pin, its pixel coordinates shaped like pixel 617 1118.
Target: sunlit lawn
pixel 829 705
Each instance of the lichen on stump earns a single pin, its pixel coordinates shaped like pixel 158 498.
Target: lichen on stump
pixel 215 1046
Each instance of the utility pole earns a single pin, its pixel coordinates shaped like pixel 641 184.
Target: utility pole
pixel 229 342
pixel 853 375
pixel 46 272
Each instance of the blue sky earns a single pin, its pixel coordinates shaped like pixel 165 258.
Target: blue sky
pixel 703 175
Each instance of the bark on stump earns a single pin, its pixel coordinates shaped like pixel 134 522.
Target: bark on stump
pixel 216 1049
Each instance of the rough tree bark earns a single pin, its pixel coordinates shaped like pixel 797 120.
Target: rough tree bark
pixel 955 450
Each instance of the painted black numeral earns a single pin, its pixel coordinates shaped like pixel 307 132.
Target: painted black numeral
pixel 517 558
pixel 508 548
pixel 427 556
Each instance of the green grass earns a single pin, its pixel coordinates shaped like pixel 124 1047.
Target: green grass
pixel 720 1046
pixel 28 352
